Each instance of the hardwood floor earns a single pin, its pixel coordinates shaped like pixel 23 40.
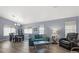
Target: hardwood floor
pixel 10 47
pixel 23 47
pixel 54 48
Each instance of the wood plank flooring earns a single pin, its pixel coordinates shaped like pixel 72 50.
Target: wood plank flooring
pixel 23 47
pixel 10 47
pixel 54 48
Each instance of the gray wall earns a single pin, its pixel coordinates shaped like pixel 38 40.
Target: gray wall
pixel 5 22
pixel 48 25
pixel 59 23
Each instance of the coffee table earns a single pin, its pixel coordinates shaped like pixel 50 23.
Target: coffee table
pixel 38 43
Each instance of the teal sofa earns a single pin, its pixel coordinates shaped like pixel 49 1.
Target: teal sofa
pixel 37 38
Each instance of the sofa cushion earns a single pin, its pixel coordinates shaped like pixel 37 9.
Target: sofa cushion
pixel 65 42
pixel 37 36
pixel 72 36
pixel 40 39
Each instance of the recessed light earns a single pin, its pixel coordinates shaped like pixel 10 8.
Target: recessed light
pixel 13 16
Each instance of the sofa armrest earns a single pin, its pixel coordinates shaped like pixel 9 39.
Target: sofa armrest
pixel 62 39
pixel 76 43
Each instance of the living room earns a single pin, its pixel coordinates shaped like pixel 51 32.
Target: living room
pixel 39 29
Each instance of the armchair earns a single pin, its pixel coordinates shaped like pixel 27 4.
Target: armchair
pixel 69 42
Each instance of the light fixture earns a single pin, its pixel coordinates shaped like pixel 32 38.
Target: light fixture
pixel 17 24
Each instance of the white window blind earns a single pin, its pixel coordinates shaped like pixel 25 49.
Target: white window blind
pixel 41 30
pixel 70 27
pixel 7 30
pixel 28 30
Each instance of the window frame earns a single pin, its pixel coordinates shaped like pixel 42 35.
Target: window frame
pixel 28 31
pixel 8 30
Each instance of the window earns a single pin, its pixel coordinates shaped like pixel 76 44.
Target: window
pixel 41 30
pixel 70 27
pixel 12 30
pixel 28 31
pixel 8 30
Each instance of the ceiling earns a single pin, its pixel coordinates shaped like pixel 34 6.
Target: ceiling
pixel 32 14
